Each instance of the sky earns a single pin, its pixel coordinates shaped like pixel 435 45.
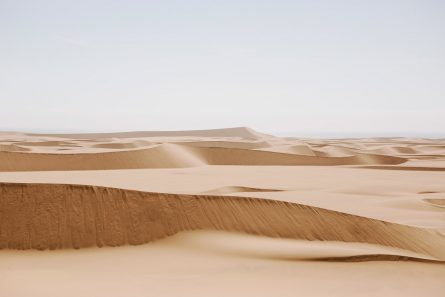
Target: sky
pixel 300 68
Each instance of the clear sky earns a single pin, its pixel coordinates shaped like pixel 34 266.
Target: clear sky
pixel 303 67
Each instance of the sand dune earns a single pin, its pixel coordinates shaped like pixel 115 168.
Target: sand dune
pixel 405 168
pixel 236 189
pixel 164 156
pixel 172 156
pixel 45 143
pixel 12 148
pixel 51 216
pixel 228 144
pixel 436 201
pixel 238 132
pixel 335 151
pixel 123 145
pixel 298 149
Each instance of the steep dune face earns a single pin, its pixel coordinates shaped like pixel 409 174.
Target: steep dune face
pixel 174 156
pixel 55 216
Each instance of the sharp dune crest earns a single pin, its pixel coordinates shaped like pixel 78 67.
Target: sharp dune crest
pixel 56 216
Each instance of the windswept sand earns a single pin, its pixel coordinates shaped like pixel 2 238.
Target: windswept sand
pixel 226 212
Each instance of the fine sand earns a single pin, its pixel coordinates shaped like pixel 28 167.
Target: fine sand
pixel 226 212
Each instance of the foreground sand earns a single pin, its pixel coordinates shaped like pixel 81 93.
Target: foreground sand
pixel 228 212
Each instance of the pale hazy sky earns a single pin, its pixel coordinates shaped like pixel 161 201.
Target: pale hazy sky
pixel 298 67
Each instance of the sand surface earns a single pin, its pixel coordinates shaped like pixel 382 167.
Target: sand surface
pixel 227 212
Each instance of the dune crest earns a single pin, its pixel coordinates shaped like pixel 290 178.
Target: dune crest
pixel 55 216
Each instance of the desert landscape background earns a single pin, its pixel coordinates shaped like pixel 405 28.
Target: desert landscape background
pixel 236 148
pixel 223 212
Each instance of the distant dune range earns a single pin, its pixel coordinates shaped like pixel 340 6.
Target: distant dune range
pixel 57 216
pixel 240 132
pixel 172 156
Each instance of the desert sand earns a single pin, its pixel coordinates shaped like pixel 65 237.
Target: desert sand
pixel 225 212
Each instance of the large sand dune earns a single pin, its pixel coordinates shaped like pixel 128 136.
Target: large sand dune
pixel 51 216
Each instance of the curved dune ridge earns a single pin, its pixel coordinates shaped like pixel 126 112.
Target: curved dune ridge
pixel 175 156
pixel 57 216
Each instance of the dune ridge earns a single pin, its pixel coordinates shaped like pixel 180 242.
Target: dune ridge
pixel 240 132
pixel 57 216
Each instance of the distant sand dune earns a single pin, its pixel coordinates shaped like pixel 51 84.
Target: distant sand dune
pixel 228 144
pixel 123 145
pixel 436 201
pixel 236 189
pixel 240 132
pixel 393 150
pixel 55 216
pixel 12 148
pixel 163 156
pixel 376 257
pixel 46 143
pixel 174 156
pixel 335 151
pixel 298 149
pixel 406 168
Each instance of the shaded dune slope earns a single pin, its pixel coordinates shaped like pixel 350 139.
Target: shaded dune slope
pixel 174 156
pixel 56 216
